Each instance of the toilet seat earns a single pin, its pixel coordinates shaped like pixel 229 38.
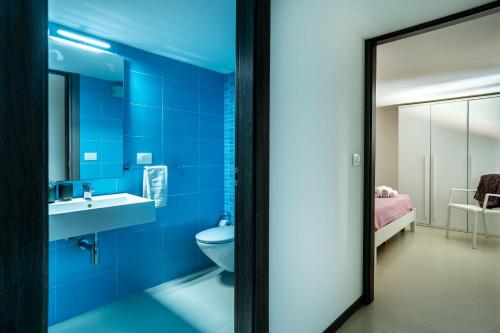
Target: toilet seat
pixel 217 235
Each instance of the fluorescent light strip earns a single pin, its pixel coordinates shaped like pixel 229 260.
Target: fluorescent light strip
pixel 79 45
pixel 86 40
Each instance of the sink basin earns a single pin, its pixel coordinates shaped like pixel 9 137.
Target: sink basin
pixel 104 212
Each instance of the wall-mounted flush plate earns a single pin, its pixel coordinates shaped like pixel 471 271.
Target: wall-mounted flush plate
pixel 356 159
pixel 144 158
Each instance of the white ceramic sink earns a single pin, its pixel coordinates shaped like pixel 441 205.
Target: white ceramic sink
pixel 104 212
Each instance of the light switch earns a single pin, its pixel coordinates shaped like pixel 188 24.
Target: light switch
pixel 144 158
pixel 90 156
pixel 356 159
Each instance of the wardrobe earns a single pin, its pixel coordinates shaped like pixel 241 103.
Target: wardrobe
pixel 443 145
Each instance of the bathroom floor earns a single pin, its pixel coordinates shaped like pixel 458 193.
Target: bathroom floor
pixel 201 302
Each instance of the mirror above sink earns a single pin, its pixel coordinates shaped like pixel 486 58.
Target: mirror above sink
pixel 86 110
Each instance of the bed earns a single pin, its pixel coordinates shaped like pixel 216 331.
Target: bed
pixel 391 216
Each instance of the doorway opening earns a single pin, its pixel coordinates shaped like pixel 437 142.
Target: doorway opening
pixel 406 107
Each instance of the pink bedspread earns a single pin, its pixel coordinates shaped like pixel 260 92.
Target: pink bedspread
pixel 388 210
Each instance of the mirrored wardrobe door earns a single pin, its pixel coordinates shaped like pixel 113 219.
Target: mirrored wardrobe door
pixel 484 149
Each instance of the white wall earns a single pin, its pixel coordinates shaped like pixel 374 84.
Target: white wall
pixel 386 160
pixel 316 123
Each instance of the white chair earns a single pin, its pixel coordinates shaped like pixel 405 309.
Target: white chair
pixel 471 208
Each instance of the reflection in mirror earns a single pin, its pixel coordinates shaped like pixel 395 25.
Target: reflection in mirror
pixel 85 109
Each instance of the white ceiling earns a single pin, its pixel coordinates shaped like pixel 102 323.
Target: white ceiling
pixel 457 61
pixel 201 32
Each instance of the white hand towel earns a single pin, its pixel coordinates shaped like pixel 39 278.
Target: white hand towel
pixel 154 184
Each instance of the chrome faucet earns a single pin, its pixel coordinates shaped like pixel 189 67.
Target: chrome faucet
pixel 87 191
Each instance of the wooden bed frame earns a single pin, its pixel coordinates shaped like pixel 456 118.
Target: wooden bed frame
pixel 389 230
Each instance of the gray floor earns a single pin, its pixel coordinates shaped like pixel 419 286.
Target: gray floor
pixel 426 283
pixel 200 303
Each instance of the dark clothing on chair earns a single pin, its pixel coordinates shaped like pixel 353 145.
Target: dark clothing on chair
pixel 488 184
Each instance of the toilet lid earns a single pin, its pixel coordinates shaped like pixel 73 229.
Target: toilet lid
pixel 216 235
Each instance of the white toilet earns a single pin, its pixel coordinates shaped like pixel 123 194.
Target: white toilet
pixel 218 244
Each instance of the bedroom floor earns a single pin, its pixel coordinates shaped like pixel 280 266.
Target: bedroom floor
pixel 426 283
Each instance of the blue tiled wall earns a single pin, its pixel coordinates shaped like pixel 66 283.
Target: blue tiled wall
pixel 229 140
pixel 176 111
pixel 101 129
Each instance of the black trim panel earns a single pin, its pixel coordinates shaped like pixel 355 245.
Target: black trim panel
pixel 345 316
pixel 23 173
pixel 252 162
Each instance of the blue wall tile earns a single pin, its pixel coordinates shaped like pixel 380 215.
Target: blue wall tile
pixel 185 152
pixel 112 129
pixel 90 128
pixel 85 294
pixel 179 71
pixel 139 276
pixel 90 106
pixel 211 152
pixel 184 181
pixel 180 263
pixel 138 246
pixel 112 170
pixel 52 306
pixel 211 127
pixel 180 96
pixel 112 151
pixel 90 171
pixel 143 121
pixel 211 178
pixel 90 85
pixel 181 209
pixel 212 101
pixel 212 202
pixel 112 107
pixel 209 221
pixel 181 124
pixel 131 182
pixel 144 89
pixel 211 79
pixel 179 236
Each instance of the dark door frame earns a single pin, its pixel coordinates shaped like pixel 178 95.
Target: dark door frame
pixel 370 113
pixel 23 171
pixel 23 140
pixel 252 162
